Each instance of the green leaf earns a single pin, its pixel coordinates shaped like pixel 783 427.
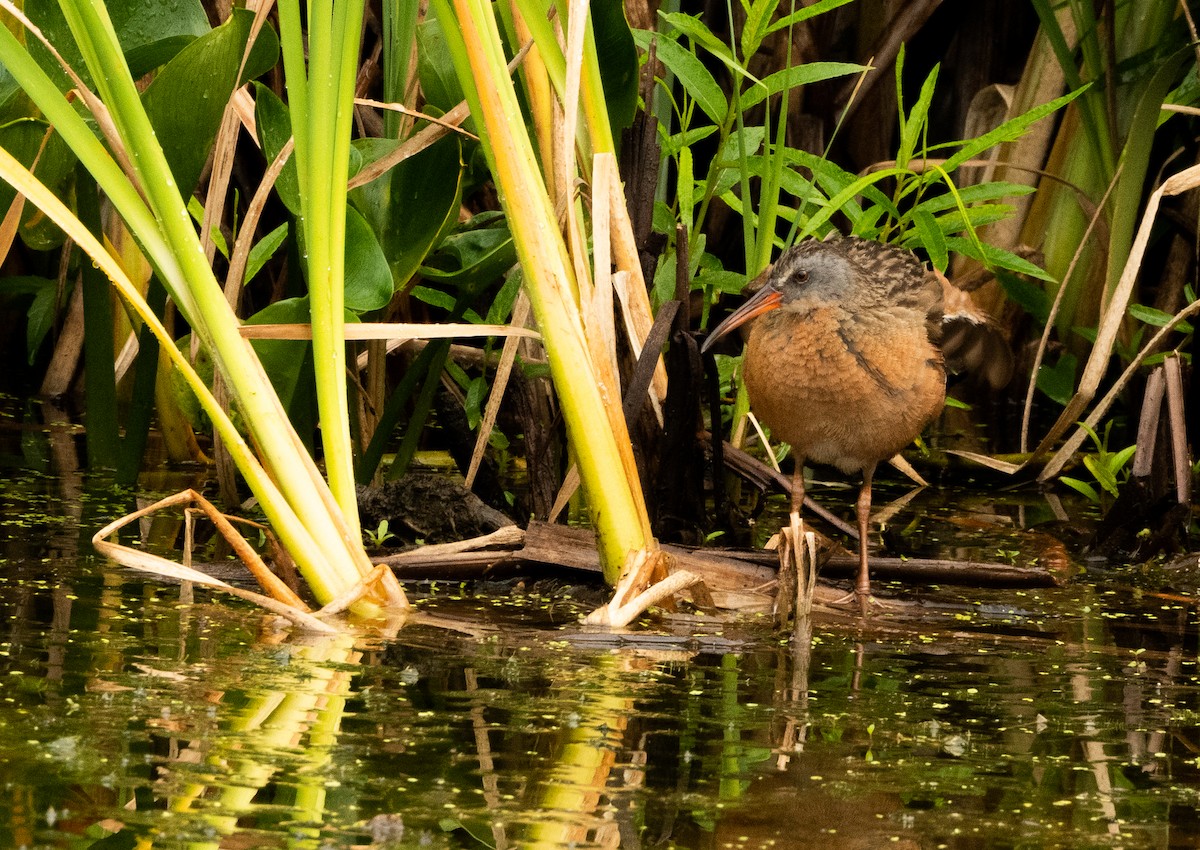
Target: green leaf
pixel 932 239
pixel 807 12
pixel 720 281
pixel 368 277
pixel 696 80
pixel 1117 460
pixel 844 197
pixel 187 98
pixel 1058 381
pixel 151 33
pixel 1103 475
pixel 439 81
pixel 196 211
pixel 413 206
pixel 684 187
pixel 912 127
pixel 798 75
pixel 1082 486
pixel 673 144
pixel 274 123
pixel 288 362
pixel 43 308
pixel 55 168
pixel 618 58
pixel 1156 318
pixel 1029 296
pixel 755 28
pixel 473 403
pixel 977 216
pixel 502 304
pixel 697 31
pixel 264 249
pixel 480 250
pixel 976 194
pixel 1008 131
pixel 994 257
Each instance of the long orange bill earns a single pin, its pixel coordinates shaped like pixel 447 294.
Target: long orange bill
pixel 766 299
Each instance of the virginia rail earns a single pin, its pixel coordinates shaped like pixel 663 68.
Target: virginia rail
pixel 844 362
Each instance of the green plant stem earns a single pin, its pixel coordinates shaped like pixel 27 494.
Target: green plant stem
pixel 324 92
pixel 328 553
pixel 614 500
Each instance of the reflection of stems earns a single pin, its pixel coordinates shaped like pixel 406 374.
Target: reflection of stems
pixel 487 767
pixel 311 704
pixel 731 784
pixel 581 775
pixel 793 700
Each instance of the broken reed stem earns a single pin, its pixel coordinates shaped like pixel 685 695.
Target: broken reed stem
pixel 287 604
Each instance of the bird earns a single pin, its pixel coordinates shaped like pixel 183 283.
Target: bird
pixel 843 360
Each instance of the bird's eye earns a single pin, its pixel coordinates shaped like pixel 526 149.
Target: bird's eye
pixel 802 276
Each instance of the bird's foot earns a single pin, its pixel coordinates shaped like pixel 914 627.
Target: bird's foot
pixel 864 601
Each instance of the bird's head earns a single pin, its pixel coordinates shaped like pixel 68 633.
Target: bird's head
pixel 813 274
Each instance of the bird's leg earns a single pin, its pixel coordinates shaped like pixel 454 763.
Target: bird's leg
pixel 862 589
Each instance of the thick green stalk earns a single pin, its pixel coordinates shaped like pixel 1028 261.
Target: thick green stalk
pixel 478 55
pixel 322 101
pixel 329 554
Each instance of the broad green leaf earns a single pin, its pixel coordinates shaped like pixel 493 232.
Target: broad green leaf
pixel 187 98
pixel 288 362
pixel 368 276
pixel 480 250
pixel 413 206
pixel 696 80
pixel 274 125
pixel 618 58
pixel 151 33
pixel 439 82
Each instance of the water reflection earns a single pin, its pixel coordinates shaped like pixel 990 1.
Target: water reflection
pixel 1025 718
pixel 177 725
